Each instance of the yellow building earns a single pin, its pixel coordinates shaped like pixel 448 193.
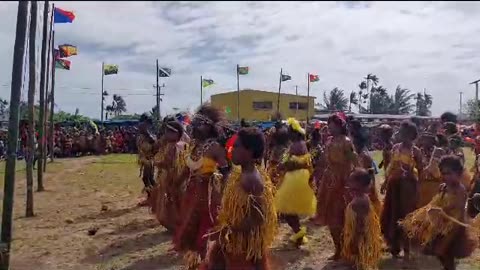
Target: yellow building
pixel 261 105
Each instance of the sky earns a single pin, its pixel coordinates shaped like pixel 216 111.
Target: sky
pixel 418 45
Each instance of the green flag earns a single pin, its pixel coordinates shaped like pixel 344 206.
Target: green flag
pixel 110 69
pixel 228 110
pixel 207 82
pixel 242 70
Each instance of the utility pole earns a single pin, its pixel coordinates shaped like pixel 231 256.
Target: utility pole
pixel 44 71
pixel 476 89
pixel 15 92
pixel 157 94
pixel 159 99
pixel 31 102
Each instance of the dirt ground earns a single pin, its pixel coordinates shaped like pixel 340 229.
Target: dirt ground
pixel 100 194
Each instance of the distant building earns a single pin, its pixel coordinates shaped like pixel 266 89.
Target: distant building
pixel 257 105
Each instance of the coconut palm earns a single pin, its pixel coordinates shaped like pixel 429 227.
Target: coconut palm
pixel 352 100
pixel 380 101
pixel 336 100
pixel 401 101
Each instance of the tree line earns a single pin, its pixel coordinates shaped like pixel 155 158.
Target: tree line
pixel 373 98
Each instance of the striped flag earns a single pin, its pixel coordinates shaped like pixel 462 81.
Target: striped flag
pixel 62 64
pixel 110 69
pixel 164 72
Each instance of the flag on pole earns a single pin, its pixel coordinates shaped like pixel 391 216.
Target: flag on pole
pixel 67 50
pixel 63 16
pixel 242 70
pixel 207 82
pixel 62 64
pixel 286 77
pixel 164 72
pixel 56 54
pixel 110 69
pixel 314 78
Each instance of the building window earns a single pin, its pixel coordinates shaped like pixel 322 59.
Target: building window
pixel 262 105
pixel 301 105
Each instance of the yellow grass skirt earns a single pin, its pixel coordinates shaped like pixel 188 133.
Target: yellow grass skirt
pixel 295 196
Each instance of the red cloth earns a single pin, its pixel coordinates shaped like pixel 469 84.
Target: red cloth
pixel 229 146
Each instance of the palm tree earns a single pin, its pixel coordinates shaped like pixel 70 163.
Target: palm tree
pixel 352 100
pixel 402 101
pixel 362 94
pixel 380 101
pixel 119 105
pixel 336 100
pixel 3 106
pixel 423 104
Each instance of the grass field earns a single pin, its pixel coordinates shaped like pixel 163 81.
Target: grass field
pixel 100 193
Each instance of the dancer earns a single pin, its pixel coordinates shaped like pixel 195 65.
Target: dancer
pixel 278 149
pixel 315 147
pixel 247 220
pixel 340 160
pixel 440 227
pixel 295 196
pixel 360 139
pixel 146 152
pixel 401 189
pixel 386 134
pixel 431 180
pixel 208 168
pixel 362 237
pixel 170 161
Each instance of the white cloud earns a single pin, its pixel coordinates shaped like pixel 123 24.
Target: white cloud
pixel 432 45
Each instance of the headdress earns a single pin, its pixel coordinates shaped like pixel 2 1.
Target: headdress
pixel 295 125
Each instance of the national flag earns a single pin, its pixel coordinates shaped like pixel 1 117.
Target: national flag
pixel 56 54
pixel 164 72
pixel 62 64
pixel 314 78
pixel 67 50
pixel 242 70
pixel 110 69
pixel 207 82
pixel 63 16
pixel 286 77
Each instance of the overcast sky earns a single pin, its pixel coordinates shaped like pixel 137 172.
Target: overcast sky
pixel 432 45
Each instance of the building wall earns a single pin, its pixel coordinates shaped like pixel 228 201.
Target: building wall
pixel 249 98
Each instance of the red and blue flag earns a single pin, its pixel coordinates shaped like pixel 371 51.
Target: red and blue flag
pixel 63 16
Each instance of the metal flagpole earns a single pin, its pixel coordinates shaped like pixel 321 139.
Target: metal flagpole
pixel 279 89
pixel 308 96
pixel 296 101
pixel 238 94
pixel 201 90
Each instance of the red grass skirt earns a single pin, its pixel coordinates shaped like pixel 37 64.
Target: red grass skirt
pixel 196 217
pixel 331 198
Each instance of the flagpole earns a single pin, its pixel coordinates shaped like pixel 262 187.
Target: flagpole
pixel 296 100
pixel 49 69
pixel 45 64
pixel 279 89
pixel 308 96
pixel 201 90
pixel 52 101
pixel 238 94
pixel 101 110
